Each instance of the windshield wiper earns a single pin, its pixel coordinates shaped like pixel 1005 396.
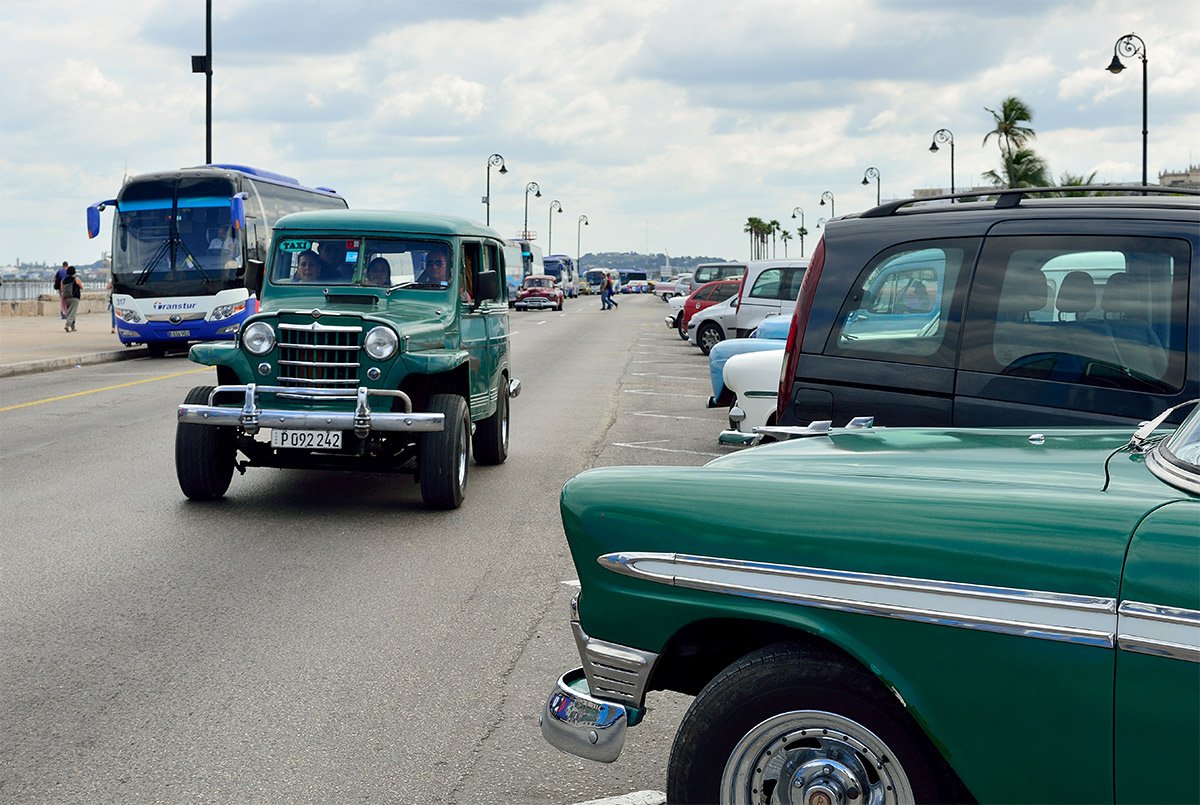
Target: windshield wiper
pixel 436 286
pixel 155 259
pixel 195 262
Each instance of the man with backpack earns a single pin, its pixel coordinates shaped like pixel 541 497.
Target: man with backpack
pixel 71 290
pixel 58 279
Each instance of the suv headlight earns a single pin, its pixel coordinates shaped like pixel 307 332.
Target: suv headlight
pixel 225 311
pixel 258 338
pixel 381 343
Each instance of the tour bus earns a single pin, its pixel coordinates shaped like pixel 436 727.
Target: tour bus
pixel 562 268
pixel 181 241
pixel 593 277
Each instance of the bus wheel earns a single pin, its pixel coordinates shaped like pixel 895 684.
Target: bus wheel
pixel 204 454
pixel 156 349
pixel 445 454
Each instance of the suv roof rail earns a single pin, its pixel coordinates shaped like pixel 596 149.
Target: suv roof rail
pixel 1012 197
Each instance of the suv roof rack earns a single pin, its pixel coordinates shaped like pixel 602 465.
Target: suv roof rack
pixel 1012 197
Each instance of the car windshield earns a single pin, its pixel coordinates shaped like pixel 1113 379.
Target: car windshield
pixel 378 262
pixel 539 282
pixel 1184 444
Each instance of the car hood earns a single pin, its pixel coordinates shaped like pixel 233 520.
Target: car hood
pixel 1025 457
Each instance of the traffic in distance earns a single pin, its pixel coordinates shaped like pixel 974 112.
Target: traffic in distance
pixel 1014 378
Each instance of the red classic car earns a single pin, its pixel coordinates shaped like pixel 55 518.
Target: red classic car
pixel 707 295
pixel 539 291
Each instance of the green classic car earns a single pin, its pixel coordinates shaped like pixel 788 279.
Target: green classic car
pixel 874 615
pixel 381 344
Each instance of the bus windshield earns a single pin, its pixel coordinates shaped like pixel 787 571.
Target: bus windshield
pixel 174 237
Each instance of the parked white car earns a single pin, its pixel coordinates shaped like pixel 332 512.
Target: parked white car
pixel 753 378
pixel 711 325
pixel 676 286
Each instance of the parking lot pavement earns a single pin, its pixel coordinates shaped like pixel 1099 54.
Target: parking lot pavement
pixel 662 416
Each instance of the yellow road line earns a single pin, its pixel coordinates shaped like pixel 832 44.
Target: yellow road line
pixel 105 388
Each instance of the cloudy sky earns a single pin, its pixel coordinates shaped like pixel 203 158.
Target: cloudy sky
pixel 666 122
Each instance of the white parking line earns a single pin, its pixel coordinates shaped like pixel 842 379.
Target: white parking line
pixel 632 798
pixel 540 323
pixel 665 393
pixel 671 416
pixel 664 377
pixel 644 446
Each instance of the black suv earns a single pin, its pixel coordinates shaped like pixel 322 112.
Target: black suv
pixel 1014 311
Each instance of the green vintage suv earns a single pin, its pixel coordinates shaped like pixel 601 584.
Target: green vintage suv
pixel 893 615
pixel 381 344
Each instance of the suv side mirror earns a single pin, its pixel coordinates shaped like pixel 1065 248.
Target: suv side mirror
pixel 487 285
pixel 254 276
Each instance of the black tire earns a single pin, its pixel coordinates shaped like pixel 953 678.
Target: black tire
pixel 157 349
pixel 490 441
pixel 445 455
pixel 204 454
pixel 680 327
pixel 815 707
pixel 560 306
pixel 708 336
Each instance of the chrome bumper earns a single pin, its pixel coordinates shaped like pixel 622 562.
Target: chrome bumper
pixel 362 420
pixel 590 708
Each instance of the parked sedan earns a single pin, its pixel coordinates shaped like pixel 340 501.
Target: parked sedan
pixel 898 614
pixel 751 381
pixel 539 292
pixel 707 295
pixel 713 325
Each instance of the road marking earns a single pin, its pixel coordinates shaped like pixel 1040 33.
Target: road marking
pixel 664 377
pixel 633 798
pixel 665 393
pixel 672 416
pixel 644 446
pixel 573 583
pixel 105 388
pixel 540 323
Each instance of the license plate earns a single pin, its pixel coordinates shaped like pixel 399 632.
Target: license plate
pixel 307 439
pixel 179 333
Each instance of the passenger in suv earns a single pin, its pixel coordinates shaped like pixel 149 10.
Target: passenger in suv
pixel 1018 311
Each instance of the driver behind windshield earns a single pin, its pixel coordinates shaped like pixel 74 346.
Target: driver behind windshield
pixel 437 268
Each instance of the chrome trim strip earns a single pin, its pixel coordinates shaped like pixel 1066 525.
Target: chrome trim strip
pixel 317 327
pixel 1087 620
pixel 1162 631
pixel 323 365
pixel 615 672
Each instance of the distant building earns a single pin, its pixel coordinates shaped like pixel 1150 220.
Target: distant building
pixel 1188 178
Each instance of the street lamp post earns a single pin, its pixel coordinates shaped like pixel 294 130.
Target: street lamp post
pixel 555 206
pixel 1128 46
pixel 801 231
pixel 537 194
pixel 203 64
pixel 495 160
pixel 828 196
pixel 583 221
pixel 821 222
pixel 873 173
pixel 944 136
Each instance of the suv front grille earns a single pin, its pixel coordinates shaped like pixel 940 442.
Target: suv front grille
pixel 319 355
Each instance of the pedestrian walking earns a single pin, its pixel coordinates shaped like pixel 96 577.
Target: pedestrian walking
pixel 112 312
pixel 605 302
pixel 58 280
pixel 72 291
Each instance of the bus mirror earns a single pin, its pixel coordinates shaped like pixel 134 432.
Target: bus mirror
pixel 254 276
pixel 487 283
pixel 93 217
pixel 237 210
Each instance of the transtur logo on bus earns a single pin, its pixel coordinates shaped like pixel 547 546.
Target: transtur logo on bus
pixel 174 305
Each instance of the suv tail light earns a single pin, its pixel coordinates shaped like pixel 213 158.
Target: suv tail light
pixel 795 338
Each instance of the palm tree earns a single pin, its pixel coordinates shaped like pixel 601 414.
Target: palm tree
pixel 754 228
pixel 1071 180
pixel 784 237
pixel 1022 168
pixel 801 231
pixel 1009 131
pixel 772 228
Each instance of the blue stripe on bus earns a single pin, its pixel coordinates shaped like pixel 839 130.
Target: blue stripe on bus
pixel 165 203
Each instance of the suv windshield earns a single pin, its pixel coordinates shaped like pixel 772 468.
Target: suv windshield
pixel 378 262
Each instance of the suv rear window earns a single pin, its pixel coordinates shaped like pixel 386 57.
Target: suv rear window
pixel 1095 311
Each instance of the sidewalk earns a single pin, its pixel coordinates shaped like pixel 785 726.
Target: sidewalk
pixel 38 343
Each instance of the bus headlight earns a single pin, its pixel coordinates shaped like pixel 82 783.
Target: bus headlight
pixel 128 315
pixel 381 343
pixel 258 338
pixel 225 311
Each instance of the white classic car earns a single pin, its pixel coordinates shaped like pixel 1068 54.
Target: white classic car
pixel 752 378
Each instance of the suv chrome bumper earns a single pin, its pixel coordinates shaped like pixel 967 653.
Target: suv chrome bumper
pixel 251 418
pixel 590 708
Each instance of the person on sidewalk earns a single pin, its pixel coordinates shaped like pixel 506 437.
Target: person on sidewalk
pixel 58 280
pixel 72 291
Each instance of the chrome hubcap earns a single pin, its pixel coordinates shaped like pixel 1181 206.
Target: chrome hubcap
pixel 814 758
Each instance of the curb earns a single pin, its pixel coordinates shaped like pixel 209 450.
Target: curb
pixel 70 362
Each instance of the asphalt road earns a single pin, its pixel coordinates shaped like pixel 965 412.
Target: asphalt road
pixel 316 637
